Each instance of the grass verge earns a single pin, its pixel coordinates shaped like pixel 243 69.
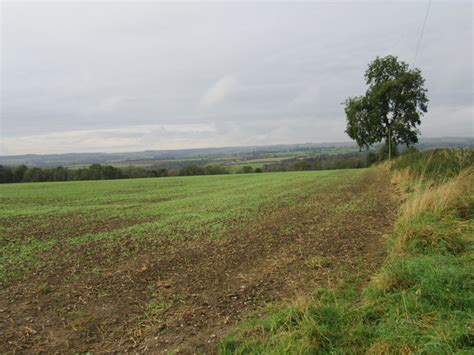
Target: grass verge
pixel 421 301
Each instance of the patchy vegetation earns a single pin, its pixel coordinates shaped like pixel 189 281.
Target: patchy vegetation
pixel 150 265
pixel 420 301
pixel 178 264
pixel 39 217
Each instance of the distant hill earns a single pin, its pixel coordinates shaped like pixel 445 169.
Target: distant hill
pixel 182 154
pixel 203 154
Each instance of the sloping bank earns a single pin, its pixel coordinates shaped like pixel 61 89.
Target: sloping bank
pixel 422 299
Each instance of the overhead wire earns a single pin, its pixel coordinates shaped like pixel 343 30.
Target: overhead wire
pixel 422 31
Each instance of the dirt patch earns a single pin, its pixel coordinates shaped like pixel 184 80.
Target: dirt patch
pixel 67 224
pixel 182 296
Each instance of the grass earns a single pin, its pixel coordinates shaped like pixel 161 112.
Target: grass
pixel 435 165
pixel 156 307
pixel 421 301
pixel 37 218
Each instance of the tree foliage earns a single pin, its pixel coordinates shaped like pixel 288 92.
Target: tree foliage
pixel 392 106
pixel 22 173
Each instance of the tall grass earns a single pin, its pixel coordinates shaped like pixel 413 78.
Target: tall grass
pixel 421 301
pixel 437 165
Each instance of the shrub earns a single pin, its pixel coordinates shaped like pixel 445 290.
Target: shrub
pixel 247 169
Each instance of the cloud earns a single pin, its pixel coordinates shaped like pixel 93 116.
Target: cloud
pixel 454 120
pixel 114 103
pixel 218 91
pixel 175 136
pixel 130 138
pixel 94 76
pixel 310 98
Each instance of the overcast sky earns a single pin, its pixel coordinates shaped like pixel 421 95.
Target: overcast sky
pixel 90 76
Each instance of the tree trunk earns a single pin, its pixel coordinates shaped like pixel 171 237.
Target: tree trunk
pixel 389 143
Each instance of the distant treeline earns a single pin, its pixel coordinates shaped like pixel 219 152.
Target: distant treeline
pixel 321 162
pixel 23 173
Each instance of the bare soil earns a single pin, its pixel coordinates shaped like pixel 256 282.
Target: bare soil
pixel 182 296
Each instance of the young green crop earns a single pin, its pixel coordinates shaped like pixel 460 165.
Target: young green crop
pixel 421 301
pixel 37 217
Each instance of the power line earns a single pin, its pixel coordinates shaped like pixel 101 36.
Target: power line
pixel 422 31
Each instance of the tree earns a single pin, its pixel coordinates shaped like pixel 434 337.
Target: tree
pixel 19 172
pixel 391 108
pixel 60 174
pixel 215 170
pixel 6 174
pixel 301 165
pixel 96 172
pixel 32 175
pixel 191 170
pixel 247 169
pixel 110 172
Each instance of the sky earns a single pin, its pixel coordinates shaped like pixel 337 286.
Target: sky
pixel 130 76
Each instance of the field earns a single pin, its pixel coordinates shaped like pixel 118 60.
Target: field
pixel 420 301
pixel 181 157
pixel 235 161
pixel 233 158
pixel 173 264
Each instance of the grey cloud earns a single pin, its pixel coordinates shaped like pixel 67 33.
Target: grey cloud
pixel 250 73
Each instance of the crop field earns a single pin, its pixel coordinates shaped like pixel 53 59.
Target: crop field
pixel 233 161
pixel 172 264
